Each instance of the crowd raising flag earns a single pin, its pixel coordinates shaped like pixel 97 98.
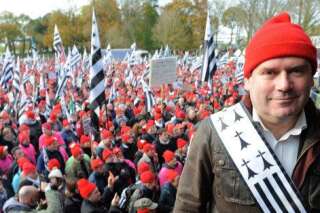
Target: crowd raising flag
pixel 97 83
pixel 209 59
pixel 7 70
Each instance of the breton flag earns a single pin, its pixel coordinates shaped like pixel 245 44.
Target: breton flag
pixel 58 46
pixel 16 77
pixel 75 57
pixel 209 59
pixel 97 84
pixel 258 165
pixel 149 98
pixel 239 69
pixel 7 70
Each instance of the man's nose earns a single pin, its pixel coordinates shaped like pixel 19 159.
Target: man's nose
pixel 283 82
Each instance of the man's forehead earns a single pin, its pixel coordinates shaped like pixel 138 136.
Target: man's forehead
pixel 284 63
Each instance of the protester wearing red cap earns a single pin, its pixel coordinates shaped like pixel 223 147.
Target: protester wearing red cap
pixel 91 197
pixel 27 148
pixel 97 176
pixel 53 164
pixel 128 147
pixel 50 151
pixel 168 191
pixel 107 155
pixel 68 134
pixel 78 165
pixel 280 61
pixel 170 164
pixel 149 156
pixel 29 171
pixel 146 190
pixel 181 152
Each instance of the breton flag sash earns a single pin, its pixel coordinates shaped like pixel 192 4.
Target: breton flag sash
pixel 259 167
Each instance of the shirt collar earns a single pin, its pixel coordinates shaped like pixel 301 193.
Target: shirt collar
pixel 300 125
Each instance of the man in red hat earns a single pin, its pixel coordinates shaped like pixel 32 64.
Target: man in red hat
pixel 78 165
pixel 280 62
pixel 50 151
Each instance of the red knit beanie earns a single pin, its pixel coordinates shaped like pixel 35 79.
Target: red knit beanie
pixel 85 188
pixel 168 156
pixel 75 150
pixel 53 163
pixel 147 177
pixel 278 37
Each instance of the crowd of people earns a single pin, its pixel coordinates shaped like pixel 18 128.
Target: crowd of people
pixel 121 159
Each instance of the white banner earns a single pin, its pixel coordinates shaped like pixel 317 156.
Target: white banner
pixel 163 71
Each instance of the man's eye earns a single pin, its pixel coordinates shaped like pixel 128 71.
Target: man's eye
pixel 268 72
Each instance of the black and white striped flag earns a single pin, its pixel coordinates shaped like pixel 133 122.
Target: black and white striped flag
pixel 97 82
pixel 58 46
pixel 16 77
pixel 209 59
pixel 75 57
pixel 148 96
pixel 7 70
pixel 239 69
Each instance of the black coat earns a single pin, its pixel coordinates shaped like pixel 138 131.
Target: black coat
pixel 89 207
pixel 167 198
pixel 72 204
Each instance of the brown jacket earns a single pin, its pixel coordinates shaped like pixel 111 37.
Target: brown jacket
pixel 210 181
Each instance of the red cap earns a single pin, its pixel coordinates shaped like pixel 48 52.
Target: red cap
pixel 147 147
pixel 106 154
pixel 30 115
pixel 140 143
pixel 105 134
pixel 53 163
pixel 46 126
pixel 23 136
pixel 75 149
pixel 96 163
pixel 84 139
pixel 180 115
pixel 65 123
pixel 28 168
pixel 21 161
pixel 143 167
pixel 278 37
pixel 125 138
pixel 116 150
pixel 147 177
pixel 168 156
pixel 171 175
pixel 85 188
pixel 181 143
pixel 125 129
pixel 170 128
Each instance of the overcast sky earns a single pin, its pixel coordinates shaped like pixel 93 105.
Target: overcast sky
pixel 37 8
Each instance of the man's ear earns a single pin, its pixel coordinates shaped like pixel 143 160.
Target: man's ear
pixel 247 84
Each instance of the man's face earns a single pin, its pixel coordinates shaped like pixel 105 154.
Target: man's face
pixel 95 196
pixel 279 88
